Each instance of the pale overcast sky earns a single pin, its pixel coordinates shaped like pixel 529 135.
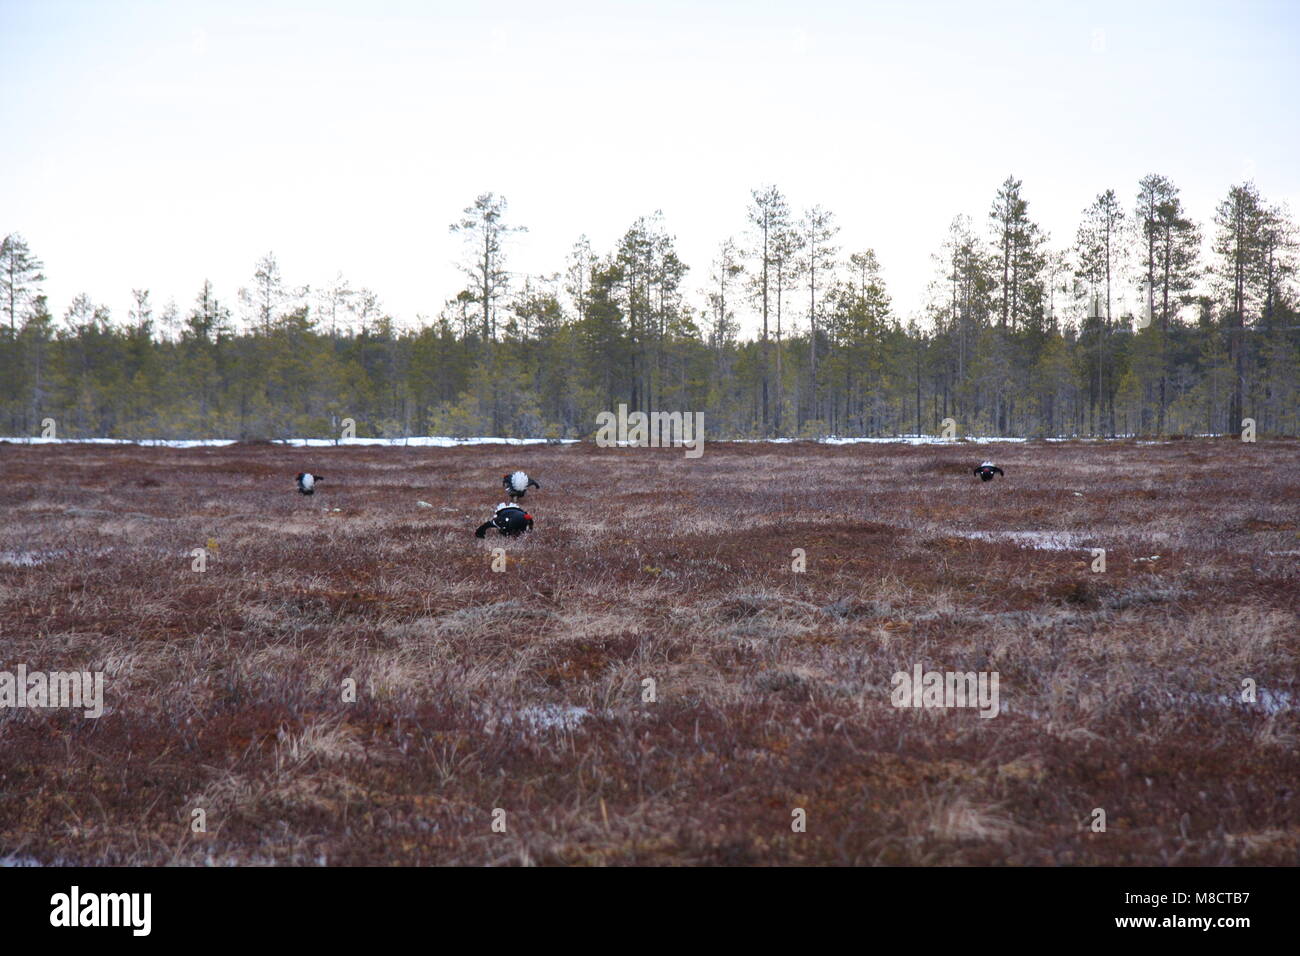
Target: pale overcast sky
pixel 156 144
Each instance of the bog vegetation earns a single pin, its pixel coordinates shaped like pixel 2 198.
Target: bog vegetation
pixel 524 689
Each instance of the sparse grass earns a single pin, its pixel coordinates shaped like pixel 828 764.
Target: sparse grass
pixel 224 689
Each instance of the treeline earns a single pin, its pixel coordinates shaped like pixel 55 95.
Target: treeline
pixel 1141 325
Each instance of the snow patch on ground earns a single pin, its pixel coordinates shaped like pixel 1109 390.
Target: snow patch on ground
pixel 918 440
pixel 1269 701
pixel 441 441
pixel 548 717
pixel 420 441
pixel 147 442
pixel 936 440
pixel 32 559
pixel 27 559
pixel 1038 540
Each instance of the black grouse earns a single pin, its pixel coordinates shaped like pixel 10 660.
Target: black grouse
pixel 517 484
pixel 510 520
pixel 307 482
pixel 987 470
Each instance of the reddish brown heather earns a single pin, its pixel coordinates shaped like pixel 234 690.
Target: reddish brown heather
pixel 224 688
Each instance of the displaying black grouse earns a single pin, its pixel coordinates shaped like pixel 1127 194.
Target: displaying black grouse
pixel 517 484
pixel 510 520
pixel 987 470
pixel 307 482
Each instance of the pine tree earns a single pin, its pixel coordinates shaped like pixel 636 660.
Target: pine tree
pixel 1102 247
pixel 1239 245
pixel 768 216
pixel 484 230
pixel 819 229
pixel 20 280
